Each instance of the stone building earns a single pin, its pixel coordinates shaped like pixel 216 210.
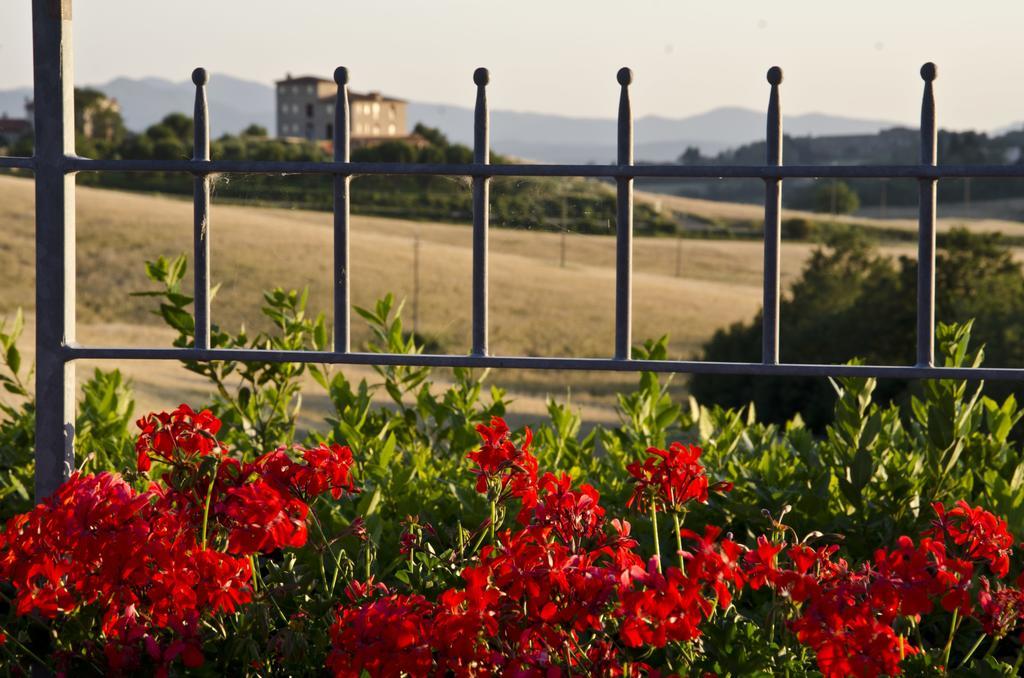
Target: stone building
pixel 12 129
pixel 305 110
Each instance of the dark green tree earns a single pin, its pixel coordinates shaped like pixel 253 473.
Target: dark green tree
pixel 255 130
pixel 852 302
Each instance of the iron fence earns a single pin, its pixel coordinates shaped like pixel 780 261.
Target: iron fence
pixel 55 164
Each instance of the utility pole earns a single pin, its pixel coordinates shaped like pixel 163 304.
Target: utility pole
pixel 679 256
pixel 416 280
pixel 565 227
pixel 833 201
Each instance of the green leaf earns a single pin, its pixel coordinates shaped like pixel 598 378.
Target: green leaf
pixel 14 359
pixel 862 469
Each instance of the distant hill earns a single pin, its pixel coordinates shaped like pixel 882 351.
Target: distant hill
pixel 236 103
pixel 555 138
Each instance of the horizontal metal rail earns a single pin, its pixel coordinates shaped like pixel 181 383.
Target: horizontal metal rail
pixel 666 171
pixel 17 162
pixel 77 352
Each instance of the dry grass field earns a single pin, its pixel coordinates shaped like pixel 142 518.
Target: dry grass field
pixel 537 306
pixel 987 216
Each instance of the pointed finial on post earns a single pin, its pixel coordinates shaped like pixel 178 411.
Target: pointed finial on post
pixel 929 137
pixel 200 117
pixel 625 145
pixel 929 72
pixel 774 131
pixel 342 133
pixel 481 118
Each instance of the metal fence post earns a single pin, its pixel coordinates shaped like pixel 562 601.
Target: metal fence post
pixel 624 224
pixel 342 198
pixel 926 226
pixel 201 213
pixel 481 213
pixel 55 243
pixel 772 225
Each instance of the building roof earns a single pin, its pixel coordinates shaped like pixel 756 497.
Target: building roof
pixel 302 78
pixel 368 96
pixel 14 125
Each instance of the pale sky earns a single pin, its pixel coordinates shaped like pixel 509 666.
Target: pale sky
pixel 560 56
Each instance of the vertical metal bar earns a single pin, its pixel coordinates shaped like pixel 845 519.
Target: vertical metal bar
pixel 772 225
pixel 342 182
pixel 926 226
pixel 481 212
pixel 201 213
pixel 55 243
pixel 624 224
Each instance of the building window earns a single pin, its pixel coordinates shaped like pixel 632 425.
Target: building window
pixel 376 109
pixel 330 131
pixel 391 112
pixel 330 109
pixel 284 108
pixel 376 130
pixel 391 130
pixel 309 110
pixel 309 89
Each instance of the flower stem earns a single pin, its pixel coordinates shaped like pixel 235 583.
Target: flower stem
pixel 330 549
pixel 949 640
pixel 677 523
pixel 32 655
pixel 494 517
pixel 206 505
pixel 252 565
pixel 654 528
pixel 971 652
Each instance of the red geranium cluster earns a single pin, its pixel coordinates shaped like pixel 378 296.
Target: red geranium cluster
pixel 668 479
pixel 849 615
pixel 563 589
pixel 503 469
pixel 565 593
pixel 150 566
pixel 99 544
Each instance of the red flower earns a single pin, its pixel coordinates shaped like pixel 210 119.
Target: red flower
pixel 761 564
pixel 574 514
pixel 183 433
pixel 980 535
pixel 511 470
pixel 326 468
pixel 670 478
pixel 385 637
pixel 1002 610
pixel 260 519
